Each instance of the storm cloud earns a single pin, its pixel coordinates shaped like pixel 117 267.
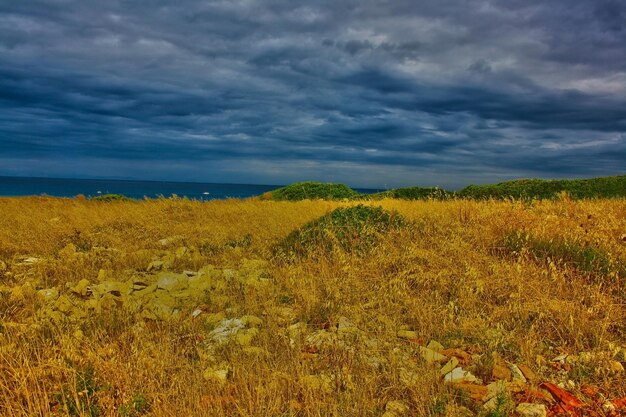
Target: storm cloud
pixel 371 93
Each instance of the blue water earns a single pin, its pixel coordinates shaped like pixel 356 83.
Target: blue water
pixel 23 186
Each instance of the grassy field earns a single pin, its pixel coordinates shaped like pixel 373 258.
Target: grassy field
pixel 263 308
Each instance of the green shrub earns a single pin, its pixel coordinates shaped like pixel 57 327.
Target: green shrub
pixel 585 259
pixel 312 191
pixel 81 399
pixel 415 193
pixel 111 197
pixel 601 187
pixel 352 230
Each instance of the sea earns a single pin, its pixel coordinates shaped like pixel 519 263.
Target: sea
pixel 64 187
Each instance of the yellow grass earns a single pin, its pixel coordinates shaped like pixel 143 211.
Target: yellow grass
pixel 446 276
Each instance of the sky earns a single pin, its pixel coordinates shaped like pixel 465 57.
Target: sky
pixel 381 93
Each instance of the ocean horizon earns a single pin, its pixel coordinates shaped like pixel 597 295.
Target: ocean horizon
pixel 137 189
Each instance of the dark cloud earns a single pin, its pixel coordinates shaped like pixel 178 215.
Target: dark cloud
pixel 371 93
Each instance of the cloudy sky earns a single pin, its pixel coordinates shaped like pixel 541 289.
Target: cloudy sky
pixel 370 93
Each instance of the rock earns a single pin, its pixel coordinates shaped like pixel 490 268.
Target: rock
pixel 170 281
pixel 396 408
pixel 82 288
pixel 495 389
pixel 48 294
pixel 155 266
pixel 181 251
pixel 318 383
pixel 345 325
pixel 199 283
pixel 615 367
pixel 255 351
pixel 460 375
pixel 407 334
pixel 501 371
pixel 476 392
pixel 219 375
pixel 114 288
pixel 527 372
pixel 491 404
pixel 170 240
pixel 296 331
pixel 409 377
pixel 431 356
pixel 251 321
pixel 608 407
pixel 517 375
pixel 226 329
pixel 449 366
pixel 30 260
pixel 321 339
pixel 463 357
pixel 434 345
pixel 244 337
pixel 531 410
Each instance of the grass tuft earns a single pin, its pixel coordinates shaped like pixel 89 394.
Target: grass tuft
pixel 350 230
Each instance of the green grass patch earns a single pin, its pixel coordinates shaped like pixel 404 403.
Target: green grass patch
pixel 601 187
pixel 415 193
pixel 586 259
pixel 111 197
pixel 354 229
pixel 312 191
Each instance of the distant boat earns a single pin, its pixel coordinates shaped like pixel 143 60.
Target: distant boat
pixel 99 192
pixel 206 193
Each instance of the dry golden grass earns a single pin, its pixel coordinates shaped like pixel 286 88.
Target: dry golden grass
pixel 446 276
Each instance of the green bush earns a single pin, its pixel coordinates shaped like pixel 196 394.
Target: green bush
pixel 415 193
pixel 313 191
pixel 586 259
pixel 354 229
pixel 111 197
pixel 601 187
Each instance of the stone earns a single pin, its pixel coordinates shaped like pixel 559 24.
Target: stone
pixel 30 260
pixel 226 329
pixel 407 334
pixel 181 251
pixel 501 371
pixel 318 383
pixel 463 357
pixel 170 281
pixel 449 366
pixel 527 372
pixel 345 325
pixel 396 408
pixel 459 375
pixel 476 392
pixel 495 389
pixel 434 345
pixel 199 283
pixel 615 367
pixel 155 266
pixel 48 294
pixel 251 321
pixel 244 337
pixel 82 288
pixel 517 375
pixel 531 410
pixel 431 356
pixel 114 288
pixel 218 375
